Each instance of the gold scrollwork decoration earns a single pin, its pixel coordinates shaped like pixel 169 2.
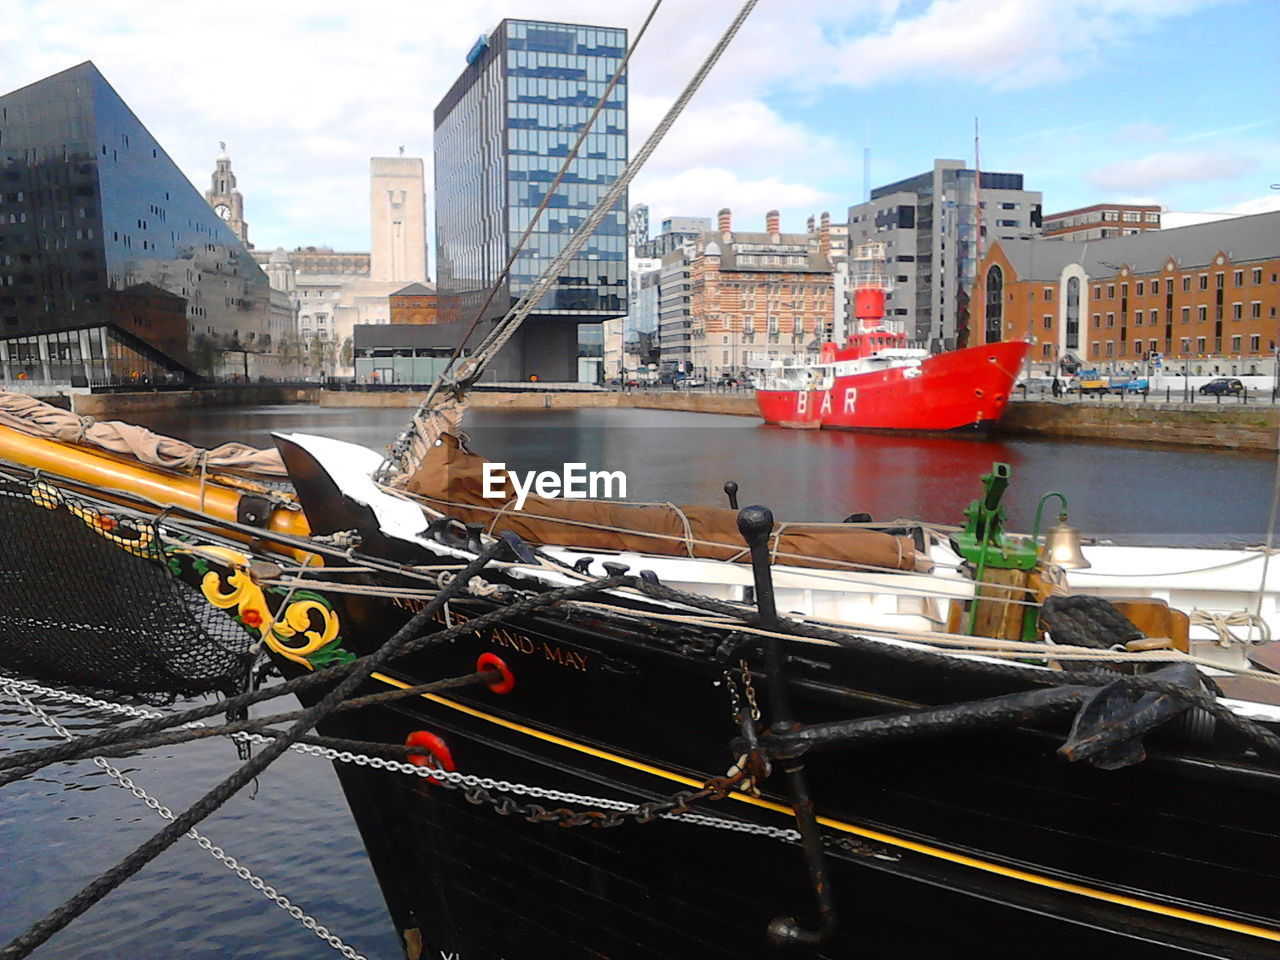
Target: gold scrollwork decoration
pixel 141 539
pixel 291 633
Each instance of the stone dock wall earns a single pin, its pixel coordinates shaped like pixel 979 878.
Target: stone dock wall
pixel 116 406
pixel 742 404
pixel 1230 424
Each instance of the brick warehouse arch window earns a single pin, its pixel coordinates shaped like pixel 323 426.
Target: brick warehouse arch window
pixel 995 304
pixel 1073 313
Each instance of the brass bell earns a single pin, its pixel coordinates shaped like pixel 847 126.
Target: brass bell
pixel 1062 547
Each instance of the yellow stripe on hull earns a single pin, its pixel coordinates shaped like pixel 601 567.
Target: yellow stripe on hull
pixel 1134 903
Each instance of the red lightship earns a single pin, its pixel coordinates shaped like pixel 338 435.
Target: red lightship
pixel 877 382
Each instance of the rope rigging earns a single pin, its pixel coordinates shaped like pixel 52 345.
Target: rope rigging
pixel 411 446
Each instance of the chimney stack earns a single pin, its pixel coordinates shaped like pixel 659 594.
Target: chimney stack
pixel 810 223
pixel 824 235
pixel 771 222
pixel 726 223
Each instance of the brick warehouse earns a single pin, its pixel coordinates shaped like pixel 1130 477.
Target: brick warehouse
pixel 757 297
pixel 1202 299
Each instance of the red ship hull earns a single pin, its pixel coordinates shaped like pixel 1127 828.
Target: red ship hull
pixel 947 391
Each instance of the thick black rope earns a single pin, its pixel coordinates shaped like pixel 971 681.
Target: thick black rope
pixel 1259 734
pixel 88 745
pixel 43 929
pixel 261 725
pixel 356 672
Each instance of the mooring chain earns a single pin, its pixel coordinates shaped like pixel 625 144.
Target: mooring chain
pixel 678 803
pixel 746 716
pixel 749 690
pixel 231 863
pixel 480 786
pixel 479 790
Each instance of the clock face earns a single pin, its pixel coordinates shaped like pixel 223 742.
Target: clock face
pixel 223 211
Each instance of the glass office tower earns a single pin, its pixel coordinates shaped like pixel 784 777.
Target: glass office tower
pixel 501 134
pixel 111 263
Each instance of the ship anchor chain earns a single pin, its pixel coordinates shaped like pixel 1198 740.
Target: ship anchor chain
pixel 678 803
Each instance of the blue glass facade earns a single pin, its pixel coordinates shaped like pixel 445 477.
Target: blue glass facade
pixel 111 262
pixel 502 133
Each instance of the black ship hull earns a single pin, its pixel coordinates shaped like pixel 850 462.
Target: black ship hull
pixel 985 845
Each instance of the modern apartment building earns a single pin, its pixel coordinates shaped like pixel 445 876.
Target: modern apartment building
pixel 502 133
pixel 1101 221
pixel 676 232
pixel 639 335
pixel 934 226
pixel 113 267
pixel 675 320
pixel 1200 300
pixel 638 225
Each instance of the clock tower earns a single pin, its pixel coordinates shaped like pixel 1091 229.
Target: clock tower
pixel 226 200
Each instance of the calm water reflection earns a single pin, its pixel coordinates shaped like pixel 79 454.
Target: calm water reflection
pixel 1137 492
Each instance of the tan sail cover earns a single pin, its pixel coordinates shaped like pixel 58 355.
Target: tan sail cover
pixel 451 478
pixel 39 419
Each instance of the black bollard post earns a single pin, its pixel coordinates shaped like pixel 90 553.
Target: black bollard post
pixel 731 491
pixel 756 525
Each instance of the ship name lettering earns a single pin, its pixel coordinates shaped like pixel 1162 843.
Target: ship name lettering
pixel 850 398
pixel 566 658
pixel 826 402
pixel 516 641
pixel 802 401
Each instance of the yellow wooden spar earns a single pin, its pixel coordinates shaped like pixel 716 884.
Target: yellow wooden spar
pixel 107 473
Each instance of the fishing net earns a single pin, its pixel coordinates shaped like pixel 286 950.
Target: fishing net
pixel 87 600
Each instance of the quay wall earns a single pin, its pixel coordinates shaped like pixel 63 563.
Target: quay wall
pixel 742 404
pixel 1232 425
pixel 115 405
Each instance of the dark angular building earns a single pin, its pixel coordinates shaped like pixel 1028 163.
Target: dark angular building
pixel 112 265
pixel 501 135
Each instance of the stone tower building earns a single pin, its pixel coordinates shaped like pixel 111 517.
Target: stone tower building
pixel 225 199
pixel 397 202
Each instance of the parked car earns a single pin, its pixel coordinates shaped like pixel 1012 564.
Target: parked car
pixel 692 382
pixel 1131 385
pixel 1221 385
pixel 1089 381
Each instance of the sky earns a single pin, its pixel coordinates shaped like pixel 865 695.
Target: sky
pixel 1155 101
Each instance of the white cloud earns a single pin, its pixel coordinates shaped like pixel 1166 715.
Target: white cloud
pixel 702 191
pixel 1161 170
pixel 305 91
pixel 1003 43
pixel 745 135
